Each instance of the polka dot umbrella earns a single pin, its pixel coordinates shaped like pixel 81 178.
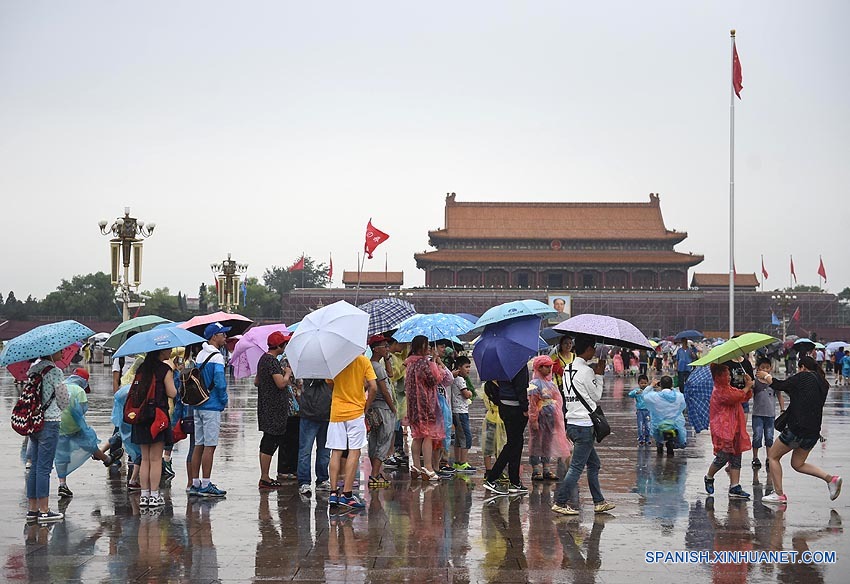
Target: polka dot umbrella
pixel 44 340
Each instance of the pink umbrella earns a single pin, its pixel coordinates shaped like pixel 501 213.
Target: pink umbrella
pixel 19 370
pixel 251 347
pixel 238 323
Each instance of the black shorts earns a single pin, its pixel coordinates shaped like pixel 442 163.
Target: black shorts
pixel 270 443
pixel 793 441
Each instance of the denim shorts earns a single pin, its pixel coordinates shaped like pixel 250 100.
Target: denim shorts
pixel 463 434
pixel 207 426
pixel 793 441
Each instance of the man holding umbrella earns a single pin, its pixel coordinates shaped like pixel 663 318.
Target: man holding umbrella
pixel 581 378
pixel 208 414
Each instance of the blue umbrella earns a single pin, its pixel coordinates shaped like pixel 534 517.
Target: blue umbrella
pixel 157 340
pixel 697 392
pixel 551 336
pixel 470 317
pixel 690 334
pixel 43 340
pixel 515 309
pixel 164 325
pixel 505 347
pixel 385 314
pixel 434 326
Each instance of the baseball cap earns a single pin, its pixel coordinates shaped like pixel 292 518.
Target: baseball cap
pixel 376 340
pixel 215 328
pixel 278 338
pixel 84 374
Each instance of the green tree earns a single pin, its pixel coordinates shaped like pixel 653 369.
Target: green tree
pixel 260 301
pixel 88 295
pixel 162 303
pixel 14 308
pixel 844 294
pixel 281 280
pixel 804 288
pixel 202 299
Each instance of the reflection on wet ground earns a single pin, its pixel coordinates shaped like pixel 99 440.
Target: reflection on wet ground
pixel 421 532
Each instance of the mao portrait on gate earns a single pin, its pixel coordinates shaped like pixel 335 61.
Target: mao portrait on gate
pixel 561 304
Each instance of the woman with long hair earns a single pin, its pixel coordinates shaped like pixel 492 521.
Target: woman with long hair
pixel 808 390
pixel 424 415
pixel 150 439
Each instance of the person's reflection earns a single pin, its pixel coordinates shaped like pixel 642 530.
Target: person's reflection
pixel 204 562
pixel 541 554
pixel 269 544
pixel 503 540
pixel 345 553
pixel 584 564
pixel 661 482
pixel 733 535
pixel 804 572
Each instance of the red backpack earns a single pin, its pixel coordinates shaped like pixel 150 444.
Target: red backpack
pixel 28 413
pixel 140 408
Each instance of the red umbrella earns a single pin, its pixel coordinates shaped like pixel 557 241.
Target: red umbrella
pixel 19 370
pixel 238 323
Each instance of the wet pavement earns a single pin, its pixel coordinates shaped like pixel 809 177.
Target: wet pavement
pixel 424 532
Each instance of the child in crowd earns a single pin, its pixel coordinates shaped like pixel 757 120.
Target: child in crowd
pixel 845 366
pixel 547 435
pixel 460 415
pixel 764 412
pixel 642 414
pixel 493 435
pixel 728 424
pixel 666 407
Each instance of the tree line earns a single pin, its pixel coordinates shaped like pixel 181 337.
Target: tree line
pixel 92 295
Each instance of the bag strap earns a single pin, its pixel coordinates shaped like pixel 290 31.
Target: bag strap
pixel 41 374
pixel 575 391
pixel 200 369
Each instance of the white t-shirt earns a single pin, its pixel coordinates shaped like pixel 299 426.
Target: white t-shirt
pixel 116 365
pixel 459 403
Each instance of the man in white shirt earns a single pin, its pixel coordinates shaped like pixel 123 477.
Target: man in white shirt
pixel 580 378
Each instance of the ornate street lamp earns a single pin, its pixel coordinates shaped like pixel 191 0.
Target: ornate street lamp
pixel 783 300
pixel 126 248
pixel 228 275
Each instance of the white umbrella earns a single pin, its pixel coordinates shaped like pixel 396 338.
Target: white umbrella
pixel 327 341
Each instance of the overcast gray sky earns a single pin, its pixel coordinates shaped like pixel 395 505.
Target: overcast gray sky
pixel 266 129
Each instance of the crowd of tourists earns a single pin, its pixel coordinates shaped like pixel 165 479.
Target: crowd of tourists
pixel 408 405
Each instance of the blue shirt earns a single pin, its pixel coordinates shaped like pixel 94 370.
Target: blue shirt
pixel 636 393
pixel 683 359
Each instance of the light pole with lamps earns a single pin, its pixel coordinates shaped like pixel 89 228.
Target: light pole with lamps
pixel 126 247
pixel 227 275
pixel 783 300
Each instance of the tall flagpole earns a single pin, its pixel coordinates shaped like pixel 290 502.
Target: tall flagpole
pixel 732 191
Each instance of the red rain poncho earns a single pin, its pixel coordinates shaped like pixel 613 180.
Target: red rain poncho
pixel 727 420
pixel 547 435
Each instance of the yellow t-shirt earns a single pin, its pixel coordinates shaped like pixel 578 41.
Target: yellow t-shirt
pixel 349 396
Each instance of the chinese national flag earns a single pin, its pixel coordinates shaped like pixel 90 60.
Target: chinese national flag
pixel 737 75
pixel 793 273
pixel 374 238
pixel 763 269
pixel 331 268
pixel 796 315
pixel 822 270
pixel 297 266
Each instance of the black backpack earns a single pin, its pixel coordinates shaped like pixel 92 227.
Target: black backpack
pixel 195 391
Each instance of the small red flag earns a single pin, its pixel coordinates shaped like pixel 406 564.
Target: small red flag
pixel 737 75
pixel 763 269
pixel 374 238
pixel 796 315
pixel 299 265
pixel 331 268
pixel 793 273
pixel 822 270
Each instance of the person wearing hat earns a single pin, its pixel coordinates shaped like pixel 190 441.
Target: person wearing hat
pixel 77 440
pixel 380 413
pixel 208 414
pixel 272 383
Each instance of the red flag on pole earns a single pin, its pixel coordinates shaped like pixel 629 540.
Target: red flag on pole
pixel 822 270
pixel 331 268
pixel 763 269
pixel 737 75
pixel 374 238
pixel 793 273
pixel 297 266
pixel 796 315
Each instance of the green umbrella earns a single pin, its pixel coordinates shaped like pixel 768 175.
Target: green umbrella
pixel 737 347
pixel 139 324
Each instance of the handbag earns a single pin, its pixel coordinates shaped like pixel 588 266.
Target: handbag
pixel 601 427
pixel 781 421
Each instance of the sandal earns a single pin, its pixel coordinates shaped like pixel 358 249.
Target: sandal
pixel 415 472
pixel 537 476
pixel 430 476
pixel 270 484
pixel 548 475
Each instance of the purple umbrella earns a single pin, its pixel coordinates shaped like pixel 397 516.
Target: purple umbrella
pixel 605 329
pixel 505 347
pixel 251 347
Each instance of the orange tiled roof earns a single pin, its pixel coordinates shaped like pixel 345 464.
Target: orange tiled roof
pixel 569 221
pixel 722 280
pixel 373 277
pixel 565 257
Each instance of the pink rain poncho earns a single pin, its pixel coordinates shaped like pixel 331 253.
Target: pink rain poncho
pixel 548 437
pixel 727 420
pixel 424 414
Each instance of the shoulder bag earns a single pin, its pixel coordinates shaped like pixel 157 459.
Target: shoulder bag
pixel 601 428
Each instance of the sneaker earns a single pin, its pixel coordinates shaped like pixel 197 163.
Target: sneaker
pixel 709 485
pixel 464 468
pixel 834 488
pixel 157 501
pixel 503 479
pixel 50 517
pixel 446 469
pixel 212 491
pixel 114 457
pixel 495 488
pixel 353 502
pixel 445 475
pixel 756 463
pixel 193 491
pixel 392 462
pixel 167 471
pixel 304 490
pixel 333 500
pixel 737 492
pixel 32 516
pixel 774 498
pixel 564 509
pixel 519 489
pixel 323 486
pixel 144 501
pixel 603 507
pixel 64 492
